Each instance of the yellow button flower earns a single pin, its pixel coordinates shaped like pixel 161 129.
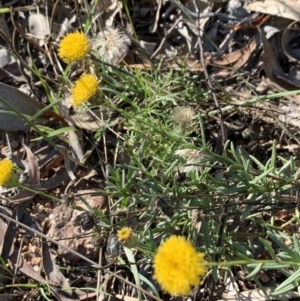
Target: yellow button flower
pixel 7 177
pixel 178 266
pixel 127 237
pixel 74 47
pixel 85 88
pixel 124 234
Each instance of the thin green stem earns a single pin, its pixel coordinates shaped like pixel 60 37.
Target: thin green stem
pixel 245 262
pixel 254 100
pixel 39 192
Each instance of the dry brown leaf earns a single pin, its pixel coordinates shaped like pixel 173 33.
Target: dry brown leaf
pixel 29 271
pixel 224 60
pixel 191 64
pixel 3 227
pixel 34 171
pixel 245 54
pixel 24 267
pixel 238 57
pixel 292 79
pixel 22 103
pixel 289 9
pixel 259 21
pixel 51 270
pixel 284 214
pixel 60 177
pixel 271 66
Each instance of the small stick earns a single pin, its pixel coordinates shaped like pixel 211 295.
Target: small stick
pixel 202 60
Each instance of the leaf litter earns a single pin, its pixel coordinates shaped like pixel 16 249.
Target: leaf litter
pixel 249 49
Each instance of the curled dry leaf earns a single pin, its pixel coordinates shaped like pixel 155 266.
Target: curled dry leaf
pixel 3 227
pixel 293 76
pixel 289 9
pixel 34 171
pixel 272 68
pixel 236 58
pixel 293 55
pixel 245 54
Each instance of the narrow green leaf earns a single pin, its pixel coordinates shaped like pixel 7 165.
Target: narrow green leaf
pixel 283 246
pixel 291 281
pixel 284 289
pixel 255 271
pixel 268 247
pixel 134 270
pixel 261 176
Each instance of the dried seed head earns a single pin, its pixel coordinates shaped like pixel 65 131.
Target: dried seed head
pixel 194 156
pixel 183 116
pixel 68 199
pixel 111 45
pixel 99 241
pixel 180 176
pixel 86 220
pixel 161 204
pixel 195 216
pixel 121 212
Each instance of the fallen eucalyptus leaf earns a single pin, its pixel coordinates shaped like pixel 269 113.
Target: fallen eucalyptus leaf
pixel 22 103
pixel 50 268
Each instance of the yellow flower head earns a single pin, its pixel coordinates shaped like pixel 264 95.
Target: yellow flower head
pixel 178 266
pixel 74 47
pixel 125 234
pixel 7 177
pixel 85 88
